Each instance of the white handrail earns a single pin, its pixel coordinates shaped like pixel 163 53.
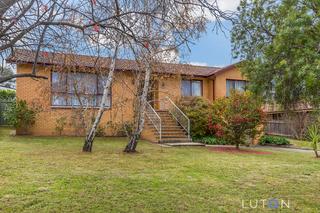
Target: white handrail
pixel 182 113
pixel 152 121
pixel 177 107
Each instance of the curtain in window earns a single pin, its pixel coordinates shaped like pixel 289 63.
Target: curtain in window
pixel 191 88
pixel 238 85
pixel 196 88
pixel 58 88
pixel 186 88
pixel 69 89
pixel 230 86
pixel 58 82
pixel 58 100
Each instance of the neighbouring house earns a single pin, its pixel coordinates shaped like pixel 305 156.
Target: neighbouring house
pixel 72 78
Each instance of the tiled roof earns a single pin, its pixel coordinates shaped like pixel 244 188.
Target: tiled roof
pixel 21 56
pixel 226 68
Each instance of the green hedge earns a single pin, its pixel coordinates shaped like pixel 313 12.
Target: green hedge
pixel 273 140
pixel 7 95
pixel 211 140
pixel 6 98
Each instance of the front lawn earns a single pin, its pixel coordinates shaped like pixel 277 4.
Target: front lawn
pixel 40 174
pixel 300 143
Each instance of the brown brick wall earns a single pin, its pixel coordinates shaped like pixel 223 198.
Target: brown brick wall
pixel 220 81
pixel 171 86
pixel 38 92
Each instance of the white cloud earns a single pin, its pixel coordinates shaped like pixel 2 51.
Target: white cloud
pixel 224 5
pixel 230 5
pixel 197 63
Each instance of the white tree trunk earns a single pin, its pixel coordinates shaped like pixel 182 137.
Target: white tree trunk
pixel 87 147
pixel 131 146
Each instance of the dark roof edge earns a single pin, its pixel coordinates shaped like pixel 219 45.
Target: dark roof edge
pixel 223 69
pixel 13 61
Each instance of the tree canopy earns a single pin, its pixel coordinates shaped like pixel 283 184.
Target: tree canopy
pixel 279 44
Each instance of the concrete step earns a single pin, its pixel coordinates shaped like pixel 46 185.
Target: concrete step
pixel 176 140
pixel 172 129
pixel 184 144
pixel 171 132
pixel 181 133
pixel 172 136
pixel 169 128
pixel 169 120
pixel 162 111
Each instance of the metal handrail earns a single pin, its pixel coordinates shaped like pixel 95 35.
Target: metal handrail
pixel 157 127
pixel 186 128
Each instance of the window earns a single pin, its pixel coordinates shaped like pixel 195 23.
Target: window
pixel 191 88
pixel 238 85
pixel 76 89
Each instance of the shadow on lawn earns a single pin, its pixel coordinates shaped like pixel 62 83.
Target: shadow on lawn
pixel 233 150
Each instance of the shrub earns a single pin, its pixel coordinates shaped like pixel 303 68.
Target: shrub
pixel 273 140
pixel 60 124
pixel 198 110
pixel 101 131
pixel 7 95
pixel 237 117
pixel 120 128
pixel 314 137
pixel 127 129
pixel 20 115
pixel 211 140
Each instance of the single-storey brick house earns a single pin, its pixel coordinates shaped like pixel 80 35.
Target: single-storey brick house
pixel 173 82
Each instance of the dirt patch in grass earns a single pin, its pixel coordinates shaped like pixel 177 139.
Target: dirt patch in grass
pixel 233 150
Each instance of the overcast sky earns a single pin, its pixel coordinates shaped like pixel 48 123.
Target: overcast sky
pixel 214 49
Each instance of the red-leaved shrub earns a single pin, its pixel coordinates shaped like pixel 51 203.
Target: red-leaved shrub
pixel 236 118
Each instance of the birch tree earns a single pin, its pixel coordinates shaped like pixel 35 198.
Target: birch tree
pixel 139 109
pixel 87 147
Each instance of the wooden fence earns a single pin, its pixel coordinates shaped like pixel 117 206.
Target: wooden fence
pixel 282 128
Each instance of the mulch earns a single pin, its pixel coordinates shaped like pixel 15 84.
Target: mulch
pixel 233 150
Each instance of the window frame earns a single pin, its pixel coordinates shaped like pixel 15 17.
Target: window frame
pixel 70 94
pixel 190 86
pixel 229 79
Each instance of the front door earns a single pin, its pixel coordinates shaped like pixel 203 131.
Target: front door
pixel 153 95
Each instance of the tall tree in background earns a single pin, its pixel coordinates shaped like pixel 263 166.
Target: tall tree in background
pixel 279 43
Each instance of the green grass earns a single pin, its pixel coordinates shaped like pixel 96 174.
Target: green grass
pixel 51 174
pixel 300 143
